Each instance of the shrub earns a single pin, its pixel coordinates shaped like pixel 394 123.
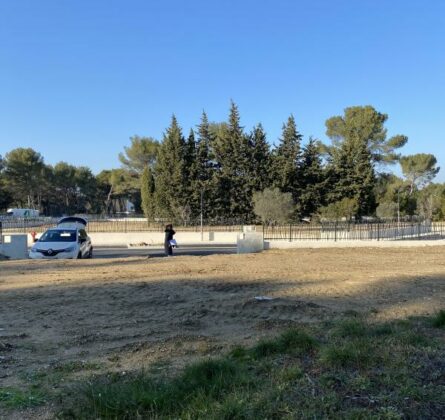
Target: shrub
pixel 273 206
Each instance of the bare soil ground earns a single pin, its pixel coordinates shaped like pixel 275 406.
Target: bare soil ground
pixel 88 316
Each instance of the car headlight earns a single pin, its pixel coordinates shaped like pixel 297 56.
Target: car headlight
pixel 71 248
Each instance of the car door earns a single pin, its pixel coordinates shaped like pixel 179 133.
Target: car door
pixel 83 242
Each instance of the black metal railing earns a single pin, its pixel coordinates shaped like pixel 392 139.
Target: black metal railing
pixel 325 231
pixel 341 231
pixel 121 225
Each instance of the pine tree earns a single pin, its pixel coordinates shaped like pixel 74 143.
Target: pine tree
pixel 148 193
pixel 286 160
pixel 359 143
pixel 313 182
pixel 366 124
pixel 260 167
pixel 170 191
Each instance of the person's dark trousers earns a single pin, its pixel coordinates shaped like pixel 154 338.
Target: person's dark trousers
pixel 168 249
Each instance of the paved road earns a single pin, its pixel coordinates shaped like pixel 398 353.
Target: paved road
pixel 197 250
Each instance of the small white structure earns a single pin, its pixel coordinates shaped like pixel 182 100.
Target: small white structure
pixel 14 247
pixel 249 242
pixel 22 213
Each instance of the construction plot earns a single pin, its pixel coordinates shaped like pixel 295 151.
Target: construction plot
pixel 89 317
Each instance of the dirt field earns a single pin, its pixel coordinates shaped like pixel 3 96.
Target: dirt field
pixel 121 315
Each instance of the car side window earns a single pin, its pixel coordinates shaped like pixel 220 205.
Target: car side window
pixel 82 234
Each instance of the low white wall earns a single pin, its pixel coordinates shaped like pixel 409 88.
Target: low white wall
pixel 351 244
pixel 157 238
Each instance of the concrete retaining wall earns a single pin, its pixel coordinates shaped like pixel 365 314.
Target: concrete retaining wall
pixel 157 238
pixel 255 243
pixel 351 244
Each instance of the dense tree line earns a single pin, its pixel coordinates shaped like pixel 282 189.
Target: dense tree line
pixel 228 172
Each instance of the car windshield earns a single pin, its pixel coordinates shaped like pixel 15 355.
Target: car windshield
pixel 58 236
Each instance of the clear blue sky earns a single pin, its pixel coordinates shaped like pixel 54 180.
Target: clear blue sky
pixel 79 77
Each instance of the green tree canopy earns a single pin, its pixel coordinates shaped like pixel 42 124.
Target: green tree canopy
pixel 286 159
pixel 313 180
pixel 232 153
pixel 65 185
pixel 261 161
pixel 148 193
pixel 273 206
pixel 87 188
pixel 365 124
pixel 115 187
pixel 24 176
pixel 142 152
pixel 171 191
pixel 343 209
pixel 5 196
pixel 387 210
pixel 419 169
pixel 225 165
pixel 352 176
pixel 431 202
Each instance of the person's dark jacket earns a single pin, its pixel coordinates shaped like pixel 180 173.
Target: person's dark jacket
pixel 169 235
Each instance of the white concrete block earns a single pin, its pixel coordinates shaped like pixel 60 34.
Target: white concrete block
pixel 15 246
pixel 249 242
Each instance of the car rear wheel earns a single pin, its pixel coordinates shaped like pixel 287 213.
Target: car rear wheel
pixel 79 256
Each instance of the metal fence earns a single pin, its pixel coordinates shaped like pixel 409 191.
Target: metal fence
pixel 341 231
pixel 120 225
pixel 326 231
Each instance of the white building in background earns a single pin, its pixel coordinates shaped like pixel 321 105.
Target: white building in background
pixel 129 207
pixel 22 213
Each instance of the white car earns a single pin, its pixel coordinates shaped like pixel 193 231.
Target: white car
pixel 68 240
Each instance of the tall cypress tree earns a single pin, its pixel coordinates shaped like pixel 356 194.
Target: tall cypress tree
pixel 287 158
pixel 313 180
pixel 190 158
pixel 365 180
pixel 148 193
pixel 203 150
pixel 190 173
pixel 171 190
pixel 352 175
pixel 232 155
pixel 260 176
pixel 204 167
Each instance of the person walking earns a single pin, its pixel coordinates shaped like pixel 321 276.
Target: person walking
pixel 168 246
